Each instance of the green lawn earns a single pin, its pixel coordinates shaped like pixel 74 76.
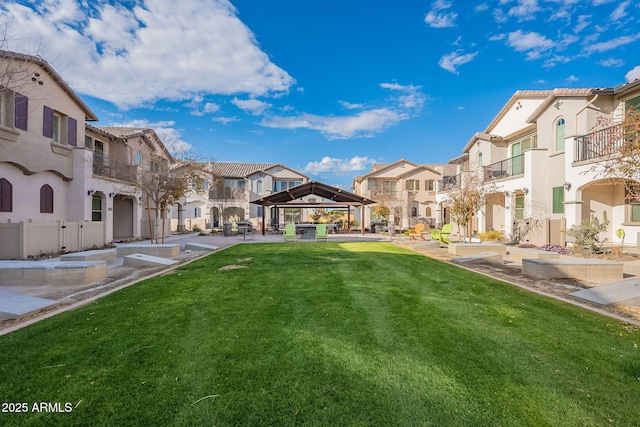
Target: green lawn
pixel 330 334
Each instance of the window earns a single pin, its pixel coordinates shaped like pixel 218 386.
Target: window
pixel 205 184
pixel 46 199
pixel 519 211
pixel 59 127
pixel 138 158
pixel 414 211
pixel 633 103
pixel 632 211
pixel 560 134
pixel 233 188
pixel 284 185
pixel 516 159
pixel 197 212
pixel 428 183
pixel 96 209
pixel 480 159
pixel 383 187
pixel 558 199
pixel 428 212
pixel 6 195
pixel 412 185
pixel 259 186
pixel 292 215
pixel 14 109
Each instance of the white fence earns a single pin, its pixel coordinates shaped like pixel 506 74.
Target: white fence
pixel 22 239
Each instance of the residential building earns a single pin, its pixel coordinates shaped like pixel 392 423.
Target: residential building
pixel 540 157
pixel 42 130
pixel 227 191
pixel 407 189
pixel 117 161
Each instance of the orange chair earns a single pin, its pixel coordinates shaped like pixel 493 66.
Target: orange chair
pixel 416 233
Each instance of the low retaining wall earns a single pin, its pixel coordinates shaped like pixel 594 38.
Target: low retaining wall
pixel 466 249
pixel 25 273
pixel 161 250
pixel 518 254
pixel 589 270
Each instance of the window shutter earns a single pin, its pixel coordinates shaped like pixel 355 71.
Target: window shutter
pixel 6 195
pixel 73 131
pixel 22 111
pixel 47 122
pixel 417 181
pixel 558 199
pixel 46 199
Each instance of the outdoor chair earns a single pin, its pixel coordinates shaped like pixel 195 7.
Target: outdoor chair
pixel 442 235
pixel 416 233
pixel 321 232
pixel 289 232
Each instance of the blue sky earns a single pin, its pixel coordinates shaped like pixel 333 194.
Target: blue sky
pixel 326 87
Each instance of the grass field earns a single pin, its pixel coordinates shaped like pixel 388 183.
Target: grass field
pixel 328 334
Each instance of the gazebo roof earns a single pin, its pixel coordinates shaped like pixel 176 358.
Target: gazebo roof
pixel 335 194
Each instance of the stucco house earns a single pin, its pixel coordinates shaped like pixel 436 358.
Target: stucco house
pixel 116 160
pixel 407 189
pixel 228 188
pixel 42 131
pixel 541 157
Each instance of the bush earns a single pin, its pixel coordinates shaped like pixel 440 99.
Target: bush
pixel 562 250
pixel 492 235
pixel 587 234
pixel 196 229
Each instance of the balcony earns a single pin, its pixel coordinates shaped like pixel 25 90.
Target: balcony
pixel 599 144
pixel 449 183
pixel 104 166
pixel 227 193
pixel 507 168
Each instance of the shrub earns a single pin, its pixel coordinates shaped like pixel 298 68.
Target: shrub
pixel 587 234
pixel 556 248
pixel 196 229
pixel 491 235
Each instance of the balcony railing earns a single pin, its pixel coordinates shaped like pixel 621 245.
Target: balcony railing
pixel 448 183
pixel 512 166
pixel 601 143
pixel 228 194
pixel 104 166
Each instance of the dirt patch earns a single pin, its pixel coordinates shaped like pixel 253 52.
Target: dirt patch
pixel 231 267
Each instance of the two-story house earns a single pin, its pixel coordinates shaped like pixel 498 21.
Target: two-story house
pixel 227 190
pixel 118 160
pixel 407 189
pixel 42 130
pixel 540 158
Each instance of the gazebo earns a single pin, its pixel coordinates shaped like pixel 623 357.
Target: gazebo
pixel 332 197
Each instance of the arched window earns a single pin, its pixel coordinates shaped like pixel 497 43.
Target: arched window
pixel 560 134
pixel 414 211
pixel 6 195
pixel 138 158
pixel 46 199
pixel 480 159
pixel 428 212
pixel 259 186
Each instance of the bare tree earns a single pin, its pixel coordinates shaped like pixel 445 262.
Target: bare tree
pixel 468 199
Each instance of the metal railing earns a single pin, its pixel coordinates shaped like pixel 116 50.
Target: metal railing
pixel 512 166
pixel 227 194
pixel 104 166
pixel 448 183
pixel 601 143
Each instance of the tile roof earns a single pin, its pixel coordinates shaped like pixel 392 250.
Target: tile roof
pixel 239 170
pixel 89 115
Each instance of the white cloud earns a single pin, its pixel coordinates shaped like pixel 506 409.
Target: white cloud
pixel 439 16
pixel 453 60
pixel 134 57
pixel 252 106
pixel 406 101
pixel 338 166
pixel 572 79
pixel 620 11
pixel 533 43
pixel 612 44
pixel 633 74
pixel 611 62
pixel 583 22
pixel 350 106
pixel 225 120
pixel 525 10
